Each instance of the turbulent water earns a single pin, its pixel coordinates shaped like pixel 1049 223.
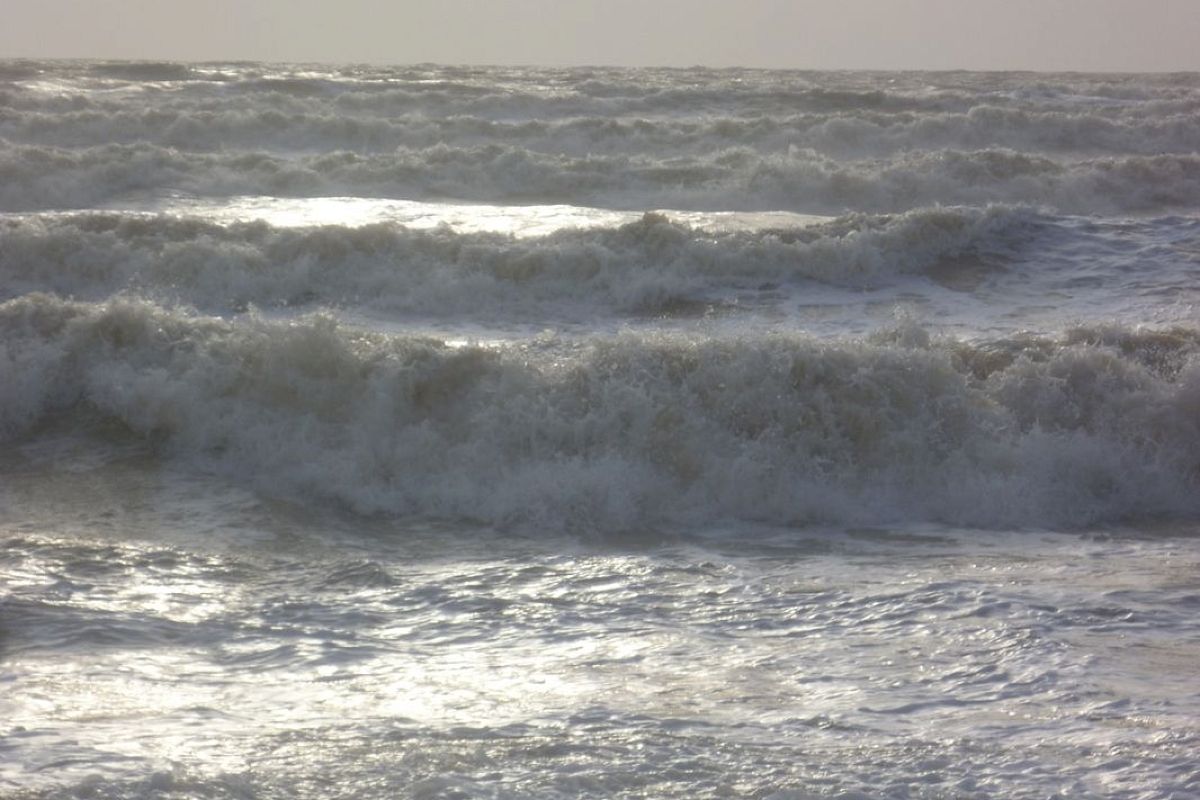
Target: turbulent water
pixel 448 432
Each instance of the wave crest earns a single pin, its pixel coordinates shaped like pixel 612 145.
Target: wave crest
pixel 1097 426
pixel 800 180
pixel 632 267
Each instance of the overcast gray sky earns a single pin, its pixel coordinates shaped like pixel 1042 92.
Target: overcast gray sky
pixel 824 34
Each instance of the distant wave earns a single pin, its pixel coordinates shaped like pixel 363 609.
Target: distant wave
pixel 216 125
pixel 140 71
pixel 642 266
pixel 1099 425
pixel 33 177
pixel 76 135
pixel 649 113
pixel 528 92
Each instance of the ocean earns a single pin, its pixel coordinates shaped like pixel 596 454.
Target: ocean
pixel 460 432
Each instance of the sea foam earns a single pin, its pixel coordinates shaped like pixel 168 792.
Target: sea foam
pixel 641 266
pixel 735 178
pixel 634 430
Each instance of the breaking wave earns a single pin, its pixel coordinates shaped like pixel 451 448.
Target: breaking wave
pixel 209 127
pixel 577 112
pixel 33 177
pixel 1098 425
pixel 634 267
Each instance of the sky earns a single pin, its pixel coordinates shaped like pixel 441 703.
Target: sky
pixel 1117 35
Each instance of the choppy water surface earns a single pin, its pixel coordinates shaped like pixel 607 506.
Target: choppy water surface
pixel 448 432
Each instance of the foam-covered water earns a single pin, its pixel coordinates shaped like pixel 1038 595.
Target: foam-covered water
pixel 462 432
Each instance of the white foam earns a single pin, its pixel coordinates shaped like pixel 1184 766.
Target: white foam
pixel 735 179
pixel 438 261
pixel 636 430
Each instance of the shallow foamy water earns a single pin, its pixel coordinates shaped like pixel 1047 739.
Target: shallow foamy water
pixel 301 656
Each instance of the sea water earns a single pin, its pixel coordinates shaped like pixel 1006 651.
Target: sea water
pixel 591 433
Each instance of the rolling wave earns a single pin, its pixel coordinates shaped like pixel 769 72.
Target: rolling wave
pixel 1098 425
pixel 37 177
pixel 84 134
pixel 316 127
pixel 636 267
